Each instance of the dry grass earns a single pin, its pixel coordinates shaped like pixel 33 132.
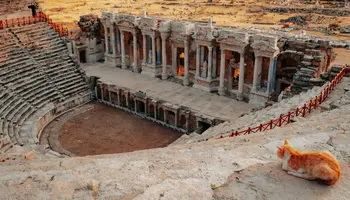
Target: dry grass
pixel 223 12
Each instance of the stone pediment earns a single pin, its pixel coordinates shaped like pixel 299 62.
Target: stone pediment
pixel 127 20
pixel 233 37
pixel 264 46
pixel 149 24
pixel 182 28
pixel 164 26
pixel 203 33
pixel 265 43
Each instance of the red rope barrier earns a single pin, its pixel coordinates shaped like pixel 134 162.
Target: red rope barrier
pixel 41 17
pixel 306 108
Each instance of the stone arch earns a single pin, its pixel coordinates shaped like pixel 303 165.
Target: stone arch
pixel 160 115
pixel 151 111
pixel 288 64
pixel 131 103
pixel 130 46
pixel 123 100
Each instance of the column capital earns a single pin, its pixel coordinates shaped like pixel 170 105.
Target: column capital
pixel 210 47
pixel 186 42
pixel 164 35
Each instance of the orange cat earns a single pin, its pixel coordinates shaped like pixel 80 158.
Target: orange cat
pixel 321 166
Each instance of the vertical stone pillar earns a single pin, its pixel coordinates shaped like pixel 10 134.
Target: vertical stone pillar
pixel 186 81
pixel 106 41
pixel 270 82
pixel 165 115
pixel 113 41
pixel 176 117
pixel 144 48
pixel 118 97
pixel 135 105
pixel 187 122
pixel 210 63
pixel 241 75
pixel 123 50
pixel 222 73
pixel 154 50
pixel 215 61
pixel 158 58
pixel 126 99
pixel 202 55
pixel 118 42
pixel 174 61
pixel 96 95
pixel 259 69
pixel 101 87
pixel 164 67
pixel 256 73
pixel 136 68
pixel 229 78
pixel 109 96
pixel 197 61
pixel 155 111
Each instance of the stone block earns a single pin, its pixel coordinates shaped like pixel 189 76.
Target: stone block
pixel 336 69
pixel 301 83
pixel 29 155
pixel 308 58
pixel 306 63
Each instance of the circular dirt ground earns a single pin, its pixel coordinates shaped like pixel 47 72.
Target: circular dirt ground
pixel 106 130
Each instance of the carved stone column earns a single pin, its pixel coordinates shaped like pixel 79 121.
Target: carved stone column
pixel 202 55
pixel 215 61
pixel 118 42
pixel 158 61
pixel 101 87
pixel 118 97
pixel 174 61
pixel 136 67
pixel 154 50
pixel 241 75
pixel 164 64
pixel 222 73
pixel 230 81
pixel 144 48
pixel 113 41
pixel 256 73
pixel 197 61
pixel 106 41
pixel 271 77
pixel 123 50
pixel 186 81
pixel 135 105
pixel 210 63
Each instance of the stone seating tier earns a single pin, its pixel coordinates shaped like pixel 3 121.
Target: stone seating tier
pixel 35 70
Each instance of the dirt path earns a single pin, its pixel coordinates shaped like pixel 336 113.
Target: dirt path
pixel 106 130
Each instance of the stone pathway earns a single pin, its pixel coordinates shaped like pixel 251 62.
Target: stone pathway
pixel 200 101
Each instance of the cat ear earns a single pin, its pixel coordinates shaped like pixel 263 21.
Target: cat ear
pixel 285 142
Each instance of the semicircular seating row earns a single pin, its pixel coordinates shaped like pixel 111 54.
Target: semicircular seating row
pixel 35 70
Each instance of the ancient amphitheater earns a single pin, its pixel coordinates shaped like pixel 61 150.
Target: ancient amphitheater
pixel 141 107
